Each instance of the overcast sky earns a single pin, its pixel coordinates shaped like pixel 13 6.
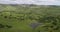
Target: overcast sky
pixel 39 2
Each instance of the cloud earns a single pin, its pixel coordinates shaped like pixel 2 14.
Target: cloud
pixel 38 2
pixel 6 2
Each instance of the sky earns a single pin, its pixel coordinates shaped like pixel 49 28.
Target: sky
pixel 38 2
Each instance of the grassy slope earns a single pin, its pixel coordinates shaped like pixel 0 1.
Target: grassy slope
pixel 16 12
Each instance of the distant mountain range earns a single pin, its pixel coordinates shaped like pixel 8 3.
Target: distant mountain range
pixel 29 5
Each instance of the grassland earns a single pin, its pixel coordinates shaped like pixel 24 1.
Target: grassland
pixel 29 18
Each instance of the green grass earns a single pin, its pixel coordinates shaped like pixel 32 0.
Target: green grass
pixel 20 18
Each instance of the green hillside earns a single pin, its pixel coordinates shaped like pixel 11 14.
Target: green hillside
pixel 29 18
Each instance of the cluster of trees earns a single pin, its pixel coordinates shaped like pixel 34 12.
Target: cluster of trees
pixel 5 26
pixel 50 24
